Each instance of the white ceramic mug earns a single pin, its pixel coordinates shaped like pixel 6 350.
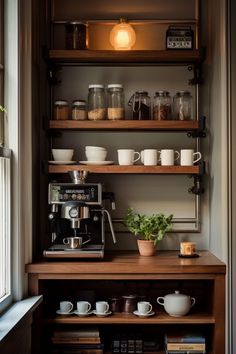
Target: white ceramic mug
pixel 144 307
pixel 188 157
pixel 66 306
pixel 149 157
pixel 102 307
pixel 127 156
pixel 83 306
pixel 168 157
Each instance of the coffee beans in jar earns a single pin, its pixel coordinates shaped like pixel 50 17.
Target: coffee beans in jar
pixel 162 106
pixel 76 35
pixel 61 110
pixel 140 105
pixel 79 111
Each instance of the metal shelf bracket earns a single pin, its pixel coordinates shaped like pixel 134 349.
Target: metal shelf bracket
pixel 201 131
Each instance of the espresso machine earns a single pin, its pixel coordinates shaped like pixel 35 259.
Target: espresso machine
pixel 77 214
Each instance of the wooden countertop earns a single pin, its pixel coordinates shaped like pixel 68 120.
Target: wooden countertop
pixel 129 264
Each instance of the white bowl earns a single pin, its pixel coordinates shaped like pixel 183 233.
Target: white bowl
pixel 62 154
pixel 96 155
pixel 97 148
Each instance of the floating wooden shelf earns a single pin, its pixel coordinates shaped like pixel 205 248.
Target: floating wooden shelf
pixel 121 319
pixel 135 169
pixel 129 125
pixel 155 57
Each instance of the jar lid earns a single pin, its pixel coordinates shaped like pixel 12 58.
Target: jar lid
pixel 61 103
pixel 184 92
pixel 140 92
pixel 177 294
pixel 79 103
pixel 162 93
pixel 96 86
pixel 114 86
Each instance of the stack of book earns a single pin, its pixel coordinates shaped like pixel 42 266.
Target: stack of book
pixel 82 341
pixel 185 343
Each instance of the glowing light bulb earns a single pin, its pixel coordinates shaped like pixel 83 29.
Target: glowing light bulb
pixel 122 36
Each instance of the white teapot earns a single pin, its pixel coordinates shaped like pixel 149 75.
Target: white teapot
pixel 176 304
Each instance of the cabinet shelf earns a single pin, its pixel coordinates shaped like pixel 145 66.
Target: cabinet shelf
pixel 134 169
pixel 129 125
pixel 139 57
pixel 121 319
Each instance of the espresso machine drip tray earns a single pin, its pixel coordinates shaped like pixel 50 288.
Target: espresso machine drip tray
pixel 63 251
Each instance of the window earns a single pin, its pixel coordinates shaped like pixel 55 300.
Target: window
pixel 5 186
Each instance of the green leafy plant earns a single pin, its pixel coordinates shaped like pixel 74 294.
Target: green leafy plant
pixel 153 227
pixel 2 109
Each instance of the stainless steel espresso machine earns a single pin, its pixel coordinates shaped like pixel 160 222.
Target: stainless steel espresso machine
pixel 77 218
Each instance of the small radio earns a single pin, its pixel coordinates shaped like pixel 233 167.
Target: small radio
pixel 179 37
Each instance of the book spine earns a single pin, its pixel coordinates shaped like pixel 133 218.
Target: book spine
pixel 186 346
pixel 76 340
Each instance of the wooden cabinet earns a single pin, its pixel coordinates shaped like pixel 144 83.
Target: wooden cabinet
pixel 119 273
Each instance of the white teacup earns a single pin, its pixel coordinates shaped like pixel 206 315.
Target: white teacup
pixel 144 307
pixel 126 157
pixel 102 307
pixel 149 157
pixel 66 306
pixel 168 157
pixel 188 157
pixel 83 306
pixel 62 154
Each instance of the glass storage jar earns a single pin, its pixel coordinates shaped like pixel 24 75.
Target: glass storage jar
pixel 115 98
pixel 183 105
pixel 61 110
pixel 79 111
pixel 140 103
pixel 75 35
pixel 162 106
pixel 96 102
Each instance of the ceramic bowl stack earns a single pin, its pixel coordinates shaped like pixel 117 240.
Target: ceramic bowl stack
pixel 95 153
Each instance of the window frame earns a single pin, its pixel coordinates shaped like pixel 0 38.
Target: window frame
pixel 5 155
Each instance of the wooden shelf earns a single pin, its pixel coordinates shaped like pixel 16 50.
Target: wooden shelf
pixel 129 125
pixel 130 265
pixel 200 318
pixel 134 169
pixel 155 57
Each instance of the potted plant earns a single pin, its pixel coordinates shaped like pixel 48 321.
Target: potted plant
pixel 149 229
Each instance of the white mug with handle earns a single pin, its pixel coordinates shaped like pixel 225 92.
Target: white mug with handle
pixel 168 157
pixel 126 157
pixel 188 157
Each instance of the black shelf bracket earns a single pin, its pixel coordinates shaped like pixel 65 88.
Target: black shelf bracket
pixel 197 187
pixel 200 132
pixel 197 74
pixel 54 75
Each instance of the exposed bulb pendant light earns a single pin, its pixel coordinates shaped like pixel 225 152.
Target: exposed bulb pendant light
pixel 122 36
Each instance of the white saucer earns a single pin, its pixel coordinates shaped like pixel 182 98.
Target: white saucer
pixel 143 315
pixel 108 313
pixel 98 163
pixel 62 162
pixel 59 312
pixel 80 314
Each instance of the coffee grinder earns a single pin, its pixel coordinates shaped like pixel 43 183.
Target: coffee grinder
pixel 77 213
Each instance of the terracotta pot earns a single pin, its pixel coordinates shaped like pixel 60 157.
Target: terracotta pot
pixel 146 248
